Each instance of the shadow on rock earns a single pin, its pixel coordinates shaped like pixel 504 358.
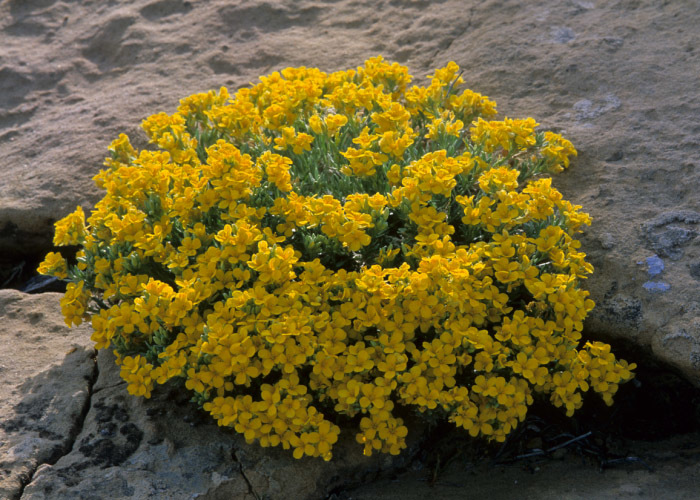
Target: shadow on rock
pixel 132 447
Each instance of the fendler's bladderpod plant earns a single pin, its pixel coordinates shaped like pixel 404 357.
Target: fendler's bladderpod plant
pixel 325 248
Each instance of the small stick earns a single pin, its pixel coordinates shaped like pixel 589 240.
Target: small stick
pixel 605 463
pixel 572 440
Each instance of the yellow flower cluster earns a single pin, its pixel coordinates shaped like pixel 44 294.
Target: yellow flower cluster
pixel 321 249
pixel 54 264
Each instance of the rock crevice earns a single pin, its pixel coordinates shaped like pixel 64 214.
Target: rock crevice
pixel 72 435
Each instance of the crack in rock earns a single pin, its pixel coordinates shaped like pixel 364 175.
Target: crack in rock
pixel 251 490
pixel 73 433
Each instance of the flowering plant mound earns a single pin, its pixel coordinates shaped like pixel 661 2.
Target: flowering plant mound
pixel 340 244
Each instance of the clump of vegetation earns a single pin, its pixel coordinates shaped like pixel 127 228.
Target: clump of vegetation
pixel 326 245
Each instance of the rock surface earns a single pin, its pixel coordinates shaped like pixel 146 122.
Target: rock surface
pixel 618 78
pixel 47 370
pixel 163 448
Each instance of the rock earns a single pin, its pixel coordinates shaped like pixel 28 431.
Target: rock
pixel 129 447
pixel 47 370
pixel 668 233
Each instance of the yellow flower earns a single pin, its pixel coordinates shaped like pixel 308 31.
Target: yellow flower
pixel 136 372
pixel 316 124
pixel 557 151
pixel 55 265
pixel 393 143
pixel 71 229
pixel 74 303
pixel 365 139
pixel 334 123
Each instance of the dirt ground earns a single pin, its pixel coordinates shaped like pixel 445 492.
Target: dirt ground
pixel 668 469
pixel 647 446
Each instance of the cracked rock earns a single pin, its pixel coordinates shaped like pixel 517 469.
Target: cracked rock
pixel 131 447
pixel 150 448
pixel 47 370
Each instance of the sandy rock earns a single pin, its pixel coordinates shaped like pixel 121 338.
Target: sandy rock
pixel 162 447
pixel 47 370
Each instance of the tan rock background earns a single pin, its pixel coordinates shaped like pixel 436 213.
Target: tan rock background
pixel 618 78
